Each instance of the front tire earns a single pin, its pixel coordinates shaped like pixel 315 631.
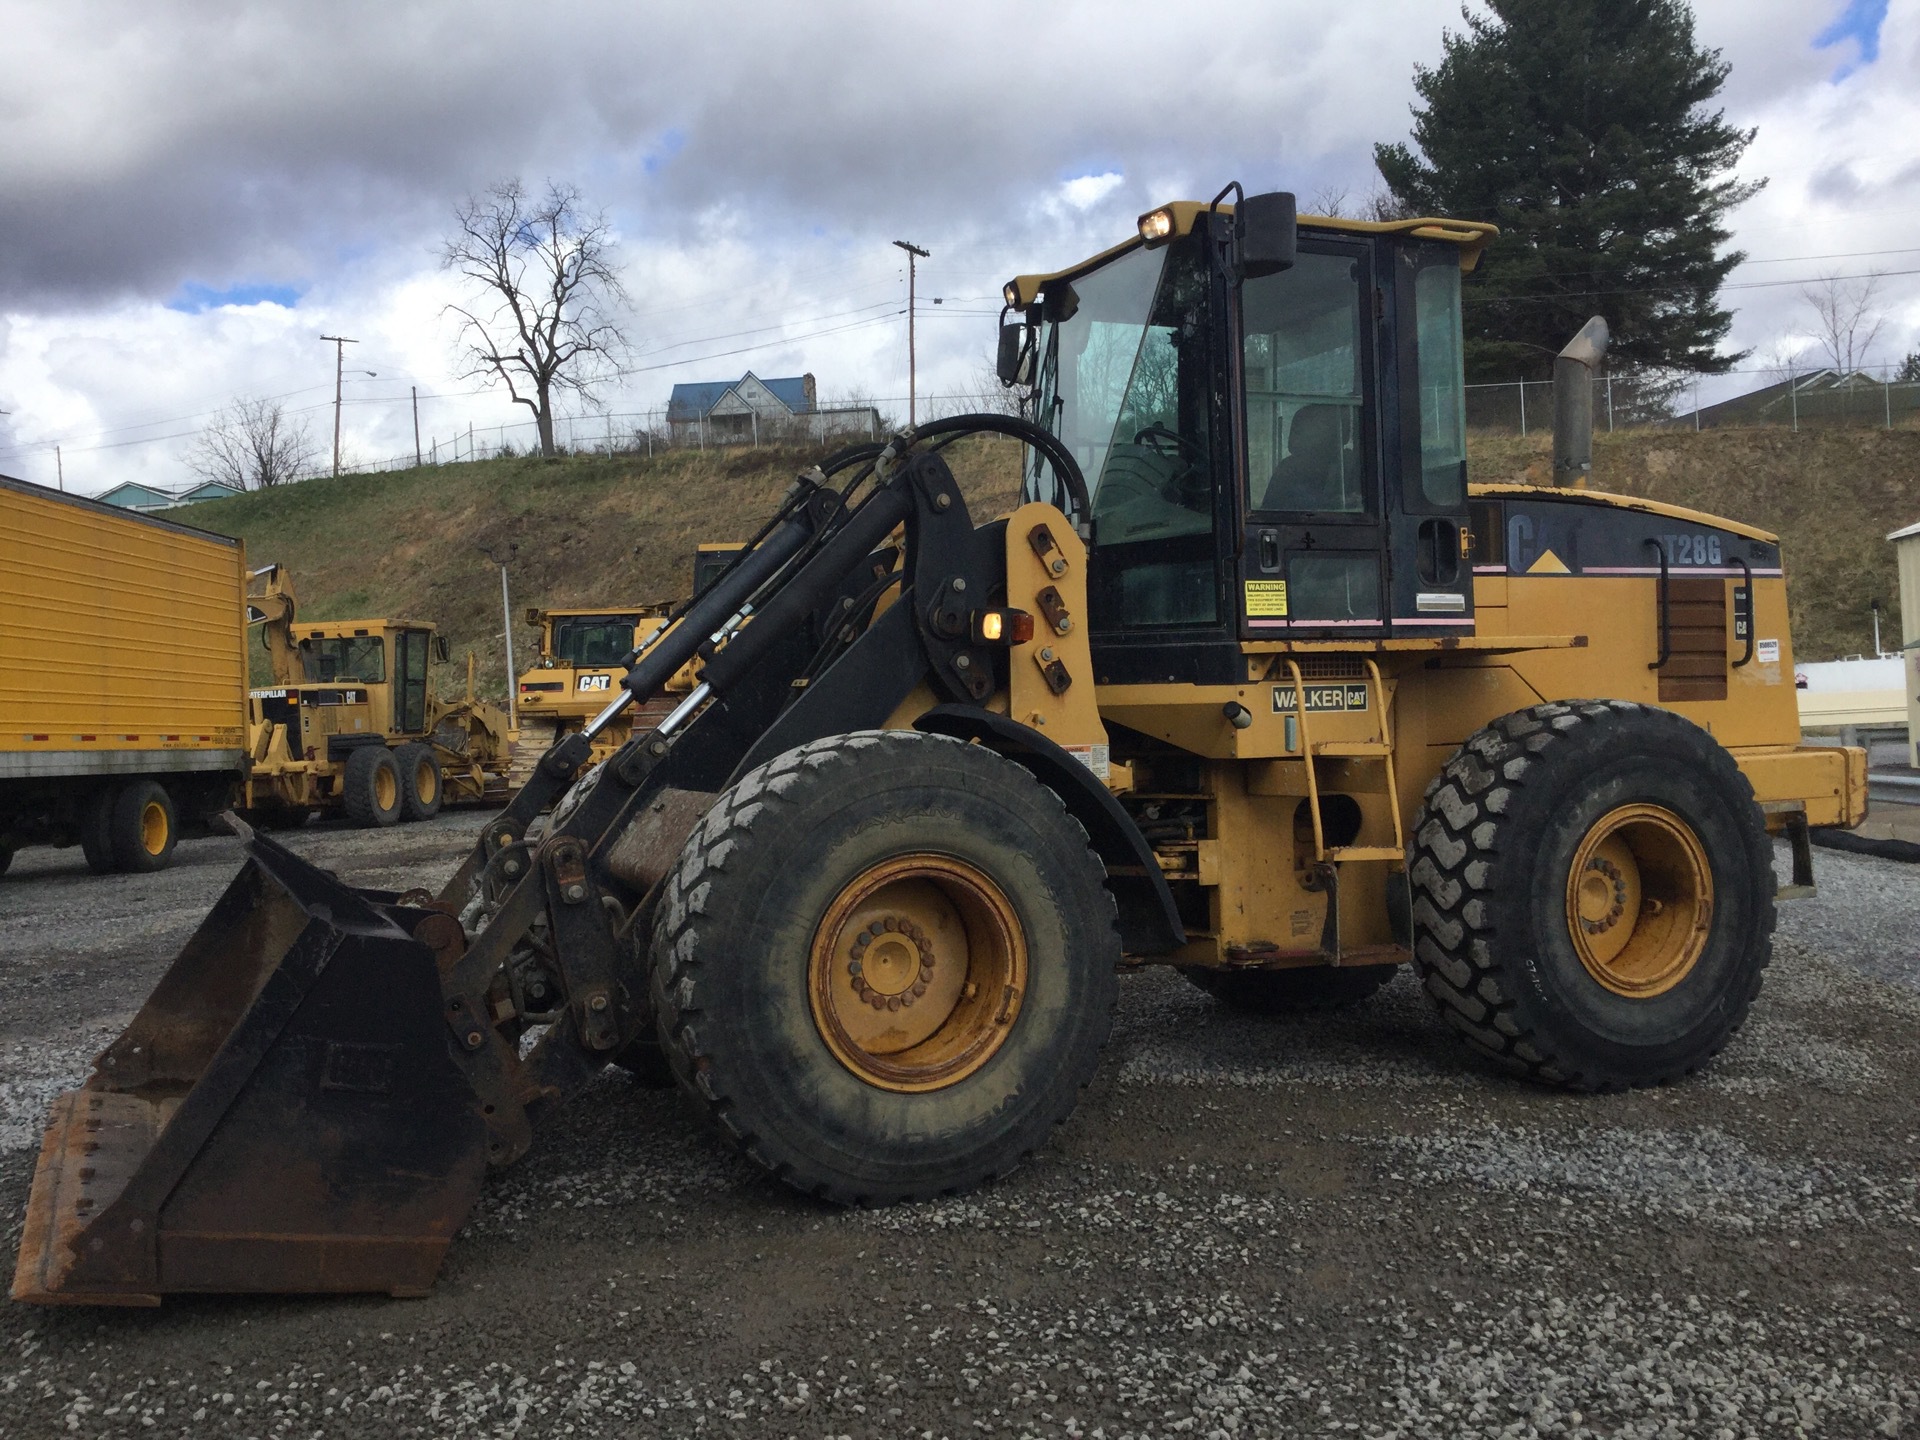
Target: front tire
pixel 886 965
pixel 370 790
pixel 1593 894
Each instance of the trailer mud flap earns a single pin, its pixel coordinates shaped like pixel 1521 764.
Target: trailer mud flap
pixel 285 1113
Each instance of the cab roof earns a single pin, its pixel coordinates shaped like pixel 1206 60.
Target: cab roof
pixel 1470 235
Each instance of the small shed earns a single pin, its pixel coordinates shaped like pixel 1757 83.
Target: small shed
pixel 1906 551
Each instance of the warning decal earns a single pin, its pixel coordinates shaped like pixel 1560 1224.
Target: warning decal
pixel 1266 599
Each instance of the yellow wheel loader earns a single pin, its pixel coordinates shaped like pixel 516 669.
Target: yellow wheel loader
pixel 1251 683
pixel 353 724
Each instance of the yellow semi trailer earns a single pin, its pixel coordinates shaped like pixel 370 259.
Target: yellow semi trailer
pixel 122 677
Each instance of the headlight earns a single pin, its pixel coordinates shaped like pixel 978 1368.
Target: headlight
pixel 1010 292
pixel 1156 225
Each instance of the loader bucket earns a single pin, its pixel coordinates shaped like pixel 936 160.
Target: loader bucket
pixel 284 1114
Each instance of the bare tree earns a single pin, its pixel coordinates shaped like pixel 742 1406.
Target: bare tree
pixel 544 268
pixel 1846 320
pixel 252 445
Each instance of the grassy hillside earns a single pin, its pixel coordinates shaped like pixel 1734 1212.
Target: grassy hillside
pixel 592 530
pixel 427 544
pixel 1831 495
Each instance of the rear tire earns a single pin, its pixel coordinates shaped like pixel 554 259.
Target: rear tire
pixel 886 965
pixel 1593 894
pixel 1307 990
pixel 370 791
pixel 142 828
pixel 422 786
pixel 6 856
pixel 96 830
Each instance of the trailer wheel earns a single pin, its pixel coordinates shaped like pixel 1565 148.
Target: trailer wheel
pixel 142 827
pixel 422 786
pixel 886 965
pixel 96 830
pixel 1310 989
pixel 1593 894
pixel 370 791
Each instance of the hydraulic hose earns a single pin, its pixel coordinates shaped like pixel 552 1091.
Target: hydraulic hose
pixel 1059 458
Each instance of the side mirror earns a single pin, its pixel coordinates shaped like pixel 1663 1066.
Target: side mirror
pixel 1269 234
pixel 440 648
pixel 1014 363
pixel 533 616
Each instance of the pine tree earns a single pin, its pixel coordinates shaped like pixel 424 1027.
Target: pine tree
pixel 1580 128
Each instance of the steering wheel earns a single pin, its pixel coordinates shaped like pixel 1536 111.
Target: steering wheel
pixel 1184 481
pixel 1163 440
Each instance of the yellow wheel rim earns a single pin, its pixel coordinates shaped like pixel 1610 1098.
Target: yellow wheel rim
pixel 1640 900
pixel 426 784
pixel 386 788
pixel 917 973
pixel 153 828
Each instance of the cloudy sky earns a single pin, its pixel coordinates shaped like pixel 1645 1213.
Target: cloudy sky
pixel 192 192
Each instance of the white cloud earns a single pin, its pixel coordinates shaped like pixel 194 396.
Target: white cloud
pixel 758 160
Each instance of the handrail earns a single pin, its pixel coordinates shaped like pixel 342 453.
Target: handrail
pixel 1752 607
pixel 1384 716
pixel 1306 754
pixel 1666 610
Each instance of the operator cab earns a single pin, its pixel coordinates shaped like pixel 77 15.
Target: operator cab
pixel 1272 428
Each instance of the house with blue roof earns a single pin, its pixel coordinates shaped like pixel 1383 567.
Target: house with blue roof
pixel 132 495
pixel 751 410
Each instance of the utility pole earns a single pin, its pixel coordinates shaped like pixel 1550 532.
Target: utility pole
pixel 914 255
pixel 59 468
pixel 340 343
pixel 417 461
pixel 513 680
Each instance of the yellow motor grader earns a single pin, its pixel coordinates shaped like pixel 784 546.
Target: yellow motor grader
pixel 1251 683
pixel 353 724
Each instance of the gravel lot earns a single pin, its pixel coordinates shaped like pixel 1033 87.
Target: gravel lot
pixel 1251 1228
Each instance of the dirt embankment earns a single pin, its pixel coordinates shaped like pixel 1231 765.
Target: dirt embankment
pixel 590 530
pixel 428 543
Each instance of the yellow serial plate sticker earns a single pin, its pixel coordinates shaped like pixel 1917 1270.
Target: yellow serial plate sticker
pixel 1266 599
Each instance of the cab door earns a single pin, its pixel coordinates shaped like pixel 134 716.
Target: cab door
pixel 1313 544
pixel 410 669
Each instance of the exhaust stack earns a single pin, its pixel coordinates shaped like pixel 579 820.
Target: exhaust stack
pixel 1573 371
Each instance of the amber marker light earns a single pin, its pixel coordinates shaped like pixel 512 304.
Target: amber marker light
pixel 1002 627
pixel 1156 225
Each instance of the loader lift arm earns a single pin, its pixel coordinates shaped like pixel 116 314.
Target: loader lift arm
pixel 314 1042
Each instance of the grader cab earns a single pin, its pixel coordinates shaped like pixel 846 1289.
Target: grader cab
pixel 1250 683
pixel 353 722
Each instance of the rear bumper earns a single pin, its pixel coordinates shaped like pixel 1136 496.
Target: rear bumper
pixel 1828 782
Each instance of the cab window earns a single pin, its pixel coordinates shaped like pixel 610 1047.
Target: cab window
pixel 1301 357
pixel 360 658
pixel 593 639
pixel 1439 481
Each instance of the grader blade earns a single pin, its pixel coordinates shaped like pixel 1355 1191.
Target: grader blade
pixel 283 1115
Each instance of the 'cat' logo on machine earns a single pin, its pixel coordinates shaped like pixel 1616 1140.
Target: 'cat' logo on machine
pixel 595 682
pixel 1320 697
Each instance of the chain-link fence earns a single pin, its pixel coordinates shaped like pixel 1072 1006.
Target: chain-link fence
pixel 1882 397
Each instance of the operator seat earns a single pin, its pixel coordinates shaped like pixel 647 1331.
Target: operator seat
pixel 1313 476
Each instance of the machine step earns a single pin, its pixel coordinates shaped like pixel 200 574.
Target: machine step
pixel 1352 749
pixel 1365 852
